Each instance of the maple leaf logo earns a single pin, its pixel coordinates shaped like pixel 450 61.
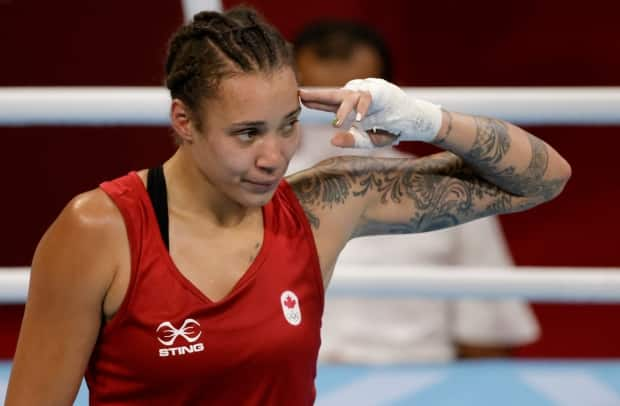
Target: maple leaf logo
pixel 289 302
pixel 290 307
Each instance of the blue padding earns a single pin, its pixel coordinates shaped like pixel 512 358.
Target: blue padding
pixel 471 383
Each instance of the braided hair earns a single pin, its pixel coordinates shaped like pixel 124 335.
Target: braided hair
pixel 217 45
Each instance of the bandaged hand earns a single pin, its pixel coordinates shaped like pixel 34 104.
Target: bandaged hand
pixel 375 113
pixel 393 111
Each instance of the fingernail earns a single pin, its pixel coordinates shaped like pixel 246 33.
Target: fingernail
pixel 358 117
pixel 336 122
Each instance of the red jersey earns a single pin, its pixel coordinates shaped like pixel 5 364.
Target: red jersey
pixel 170 345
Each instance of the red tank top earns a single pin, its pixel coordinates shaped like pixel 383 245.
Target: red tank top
pixel 170 345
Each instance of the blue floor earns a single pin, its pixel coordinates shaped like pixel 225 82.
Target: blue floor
pixel 473 383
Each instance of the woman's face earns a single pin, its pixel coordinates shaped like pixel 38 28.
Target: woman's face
pixel 249 134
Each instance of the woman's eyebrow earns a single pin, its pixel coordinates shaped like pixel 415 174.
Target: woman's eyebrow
pixel 263 123
pixel 248 124
pixel 293 113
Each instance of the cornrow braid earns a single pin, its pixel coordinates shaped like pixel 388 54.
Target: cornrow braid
pixel 215 45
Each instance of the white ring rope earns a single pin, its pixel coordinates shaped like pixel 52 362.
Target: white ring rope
pixel 25 106
pixel 528 283
pixel 533 283
pixel 543 106
pixel 14 285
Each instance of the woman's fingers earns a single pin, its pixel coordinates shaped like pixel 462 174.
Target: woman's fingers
pixel 357 138
pixel 322 96
pixel 348 104
pixel 344 140
pixel 342 101
pixel 363 105
pixel 332 108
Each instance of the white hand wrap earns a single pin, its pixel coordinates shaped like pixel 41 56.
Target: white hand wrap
pixel 393 111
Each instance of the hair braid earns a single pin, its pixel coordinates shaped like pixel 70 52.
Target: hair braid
pixel 215 45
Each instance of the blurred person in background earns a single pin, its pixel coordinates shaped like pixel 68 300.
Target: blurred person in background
pixel 400 330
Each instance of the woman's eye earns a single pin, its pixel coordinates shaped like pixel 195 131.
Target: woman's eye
pixel 288 128
pixel 247 135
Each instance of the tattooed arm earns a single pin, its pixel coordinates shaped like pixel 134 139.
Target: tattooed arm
pixel 505 155
pixel 501 169
pixel 489 167
pixel 393 196
pixel 500 152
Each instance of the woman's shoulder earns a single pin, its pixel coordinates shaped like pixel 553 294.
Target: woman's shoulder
pixel 92 213
pixel 93 203
pixel 84 243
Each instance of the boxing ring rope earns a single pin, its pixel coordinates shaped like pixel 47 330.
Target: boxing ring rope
pixel 529 283
pixel 88 106
pixel 97 106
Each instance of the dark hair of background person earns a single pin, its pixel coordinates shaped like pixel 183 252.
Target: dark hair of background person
pixel 336 39
pixel 213 46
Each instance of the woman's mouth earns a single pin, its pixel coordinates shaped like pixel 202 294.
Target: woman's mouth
pixel 262 186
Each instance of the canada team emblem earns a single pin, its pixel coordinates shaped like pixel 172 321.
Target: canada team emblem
pixel 290 307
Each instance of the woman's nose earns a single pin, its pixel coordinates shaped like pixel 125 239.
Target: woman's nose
pixel 270 155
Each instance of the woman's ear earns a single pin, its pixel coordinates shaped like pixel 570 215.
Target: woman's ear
pixel 181 119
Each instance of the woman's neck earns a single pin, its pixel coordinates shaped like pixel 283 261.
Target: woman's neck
pixel 191 193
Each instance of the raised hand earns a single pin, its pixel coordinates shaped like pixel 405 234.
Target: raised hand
pixel 375 113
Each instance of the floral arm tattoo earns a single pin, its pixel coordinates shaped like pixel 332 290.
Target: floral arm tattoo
pixel 440 190
pixel 491 145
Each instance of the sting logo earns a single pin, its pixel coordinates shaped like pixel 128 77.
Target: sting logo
pixel 189 331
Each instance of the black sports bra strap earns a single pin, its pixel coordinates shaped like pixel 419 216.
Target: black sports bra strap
pixel 156 187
